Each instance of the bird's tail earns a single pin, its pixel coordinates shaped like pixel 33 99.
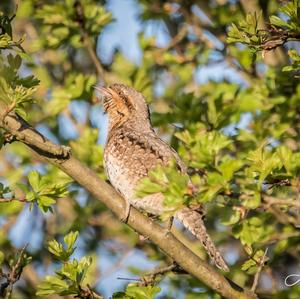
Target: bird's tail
pixel 193 221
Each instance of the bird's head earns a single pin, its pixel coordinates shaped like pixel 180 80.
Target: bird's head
pixel 123 104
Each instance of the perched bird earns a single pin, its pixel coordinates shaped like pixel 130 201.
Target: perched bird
pixel 133 149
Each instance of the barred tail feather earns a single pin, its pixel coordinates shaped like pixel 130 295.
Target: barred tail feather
pixel 192 220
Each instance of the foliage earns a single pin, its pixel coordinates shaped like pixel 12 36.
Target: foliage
pixel 171 183
pixel 69 279
pixel 230 113
pixel 296 61
pixel 16 90
pixel 87 149
pixel 65 20
pixel 43 191
pixel 138 292
pixel 284 26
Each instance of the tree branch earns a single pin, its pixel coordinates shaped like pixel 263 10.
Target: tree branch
pixel 270 200
pixel 88 41
pixel 2 199
pixel 261 264
pixel 13 276
pixel 150 277
pixel 167 242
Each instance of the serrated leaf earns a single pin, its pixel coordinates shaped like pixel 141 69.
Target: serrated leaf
pixel 51 285
pixel 34 180
pixel 45 201
pixel 278 21
pixel 229 216
pixel 70 239
pixel 55 248
pixel 142 292
pixel 248 264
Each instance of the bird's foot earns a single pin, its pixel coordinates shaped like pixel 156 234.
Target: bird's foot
pixel 169 225
pixel 143 238
pixel 125 218
pixel 9 137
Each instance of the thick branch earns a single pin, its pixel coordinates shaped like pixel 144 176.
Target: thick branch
pixel 167 242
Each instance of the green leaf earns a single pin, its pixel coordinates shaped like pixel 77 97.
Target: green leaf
pixel 293 54
pixel 228 167
pixel 168 181
pixel 251 266
pixel 5 41
pixel 68 279
pixel 56 248
pixel 229 216
pixel 70 240
pixel 31 196
pixel 248 264
pixel 87 149
pixel 34 180
pixel 4 91
pixel 45 201
pixel 14 61
pixel 52 285
pixel 263 162
pixel 278 21
pixel 138 292
pixel 250 231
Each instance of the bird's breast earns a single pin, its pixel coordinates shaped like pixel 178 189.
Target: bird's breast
pixel 125 166
pixel 129 156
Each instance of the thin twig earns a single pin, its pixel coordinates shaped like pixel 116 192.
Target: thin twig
pixel 176 39
pixel 127 278
pixel 281 216
pixel 280 237
pixel 149 278
pixel 162 270
pixel 12 199
pixel 7 110
pixel 94 57
pixel 257 274
pixel 14 275
pixel 6 199
pixel 88 42
pixel 88 293
pixel 281 201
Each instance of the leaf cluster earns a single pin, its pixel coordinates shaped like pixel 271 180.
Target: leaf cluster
pixel 169 182
pixel 15 90
pixel 134 291
pixel 65 22
pixel 69 278
pixel 283 27
pixel 43 191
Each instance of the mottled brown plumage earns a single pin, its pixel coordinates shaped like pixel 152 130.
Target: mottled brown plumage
pixel 133 149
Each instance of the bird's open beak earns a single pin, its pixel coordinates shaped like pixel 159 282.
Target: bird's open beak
pixel 107 96
pixel 106 93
